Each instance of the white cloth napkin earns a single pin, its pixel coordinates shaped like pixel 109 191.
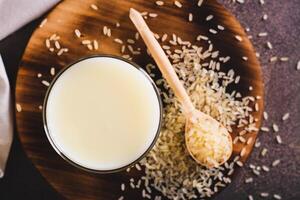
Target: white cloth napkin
pixel 6 126
pixel 13 15
pixel 16 13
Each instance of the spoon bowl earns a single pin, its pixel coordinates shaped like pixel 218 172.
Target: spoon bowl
pixel 205 138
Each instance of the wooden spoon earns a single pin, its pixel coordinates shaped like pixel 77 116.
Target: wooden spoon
pixel 207 141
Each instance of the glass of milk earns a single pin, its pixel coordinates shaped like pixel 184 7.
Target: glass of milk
pixel 102 114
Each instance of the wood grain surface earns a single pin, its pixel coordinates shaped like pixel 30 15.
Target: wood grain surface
pixel 73 183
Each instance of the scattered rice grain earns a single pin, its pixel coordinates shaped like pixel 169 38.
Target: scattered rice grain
pixel 243 151
pixel 159 3
pixel 265 115
pixel 123 187
pixel 77 33
pixel 298 65
pixel 273 59
pixel 117 40
pixel 60 52
pixel 90 47
pixel 220 27
pixel 265 17
pixel 238 38
pixel 19 107
pixel 262 34
pixel 47 43
pixel 284 59
pixel 52 71
pixel 275 163
pixel 213 31
pixel 245 58
pixel 46 83
pixel 57 45
pixel 278 139
pixel 264 194
pixel 200 2
pixel 264 152
pixel 285 117
pixel 269 45
pixel 275 127
pixel 190 17
pixel 265 168
pixel 121 198
pixel 153 15
pixel 42 24
pixel 249 180
pixel 209 17
pixel 96 45
pixel 178 4
pixel 277 196
pixel 85 42
pixel 94 7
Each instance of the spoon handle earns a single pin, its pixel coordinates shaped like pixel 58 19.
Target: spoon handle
pixel 162 61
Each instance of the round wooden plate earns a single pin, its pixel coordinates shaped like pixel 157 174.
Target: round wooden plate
pixel 69 15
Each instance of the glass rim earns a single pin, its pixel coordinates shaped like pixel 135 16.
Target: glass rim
pixel 59 151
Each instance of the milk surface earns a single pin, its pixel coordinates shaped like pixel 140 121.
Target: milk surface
pixel 102 113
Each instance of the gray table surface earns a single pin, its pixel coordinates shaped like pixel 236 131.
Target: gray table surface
pixel 282 87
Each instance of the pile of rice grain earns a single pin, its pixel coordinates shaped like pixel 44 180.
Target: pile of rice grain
pixel 168 167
